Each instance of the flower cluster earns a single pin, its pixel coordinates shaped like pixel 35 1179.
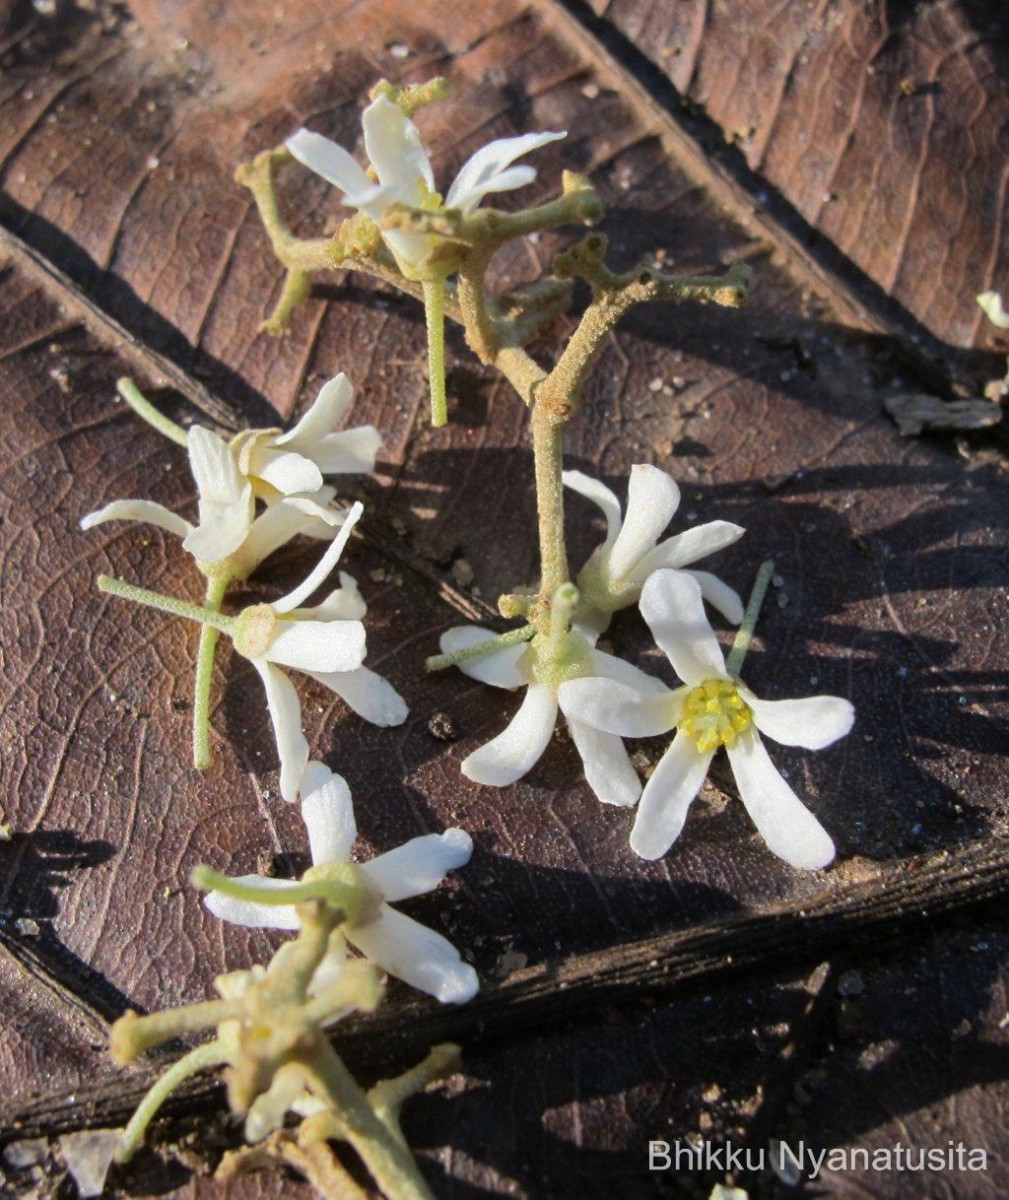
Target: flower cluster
pixel 605 699
pixel 254 495
pixel 265 486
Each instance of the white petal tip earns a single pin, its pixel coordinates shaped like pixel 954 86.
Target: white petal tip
pixel 646 848
pixel 460 842
pixel 463 986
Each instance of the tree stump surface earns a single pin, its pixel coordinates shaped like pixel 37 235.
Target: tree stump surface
pixel 854 155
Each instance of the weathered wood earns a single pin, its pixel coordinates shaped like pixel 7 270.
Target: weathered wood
pixel 571 991
pixel 128 246
pixel 880 126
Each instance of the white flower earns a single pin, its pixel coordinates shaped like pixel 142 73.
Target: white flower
pixel 613 576
pixel 518 748
pixel 396 943
pixel 326 642
pixel 295 462
pixel 226 503
pixel 227 527
pixel 712 710
pixel 403 170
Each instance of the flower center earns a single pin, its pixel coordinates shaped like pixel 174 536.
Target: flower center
pixel 714 715
pixel 255 630
pixel 353 891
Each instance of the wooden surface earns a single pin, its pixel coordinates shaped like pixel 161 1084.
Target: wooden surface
pixel 127 248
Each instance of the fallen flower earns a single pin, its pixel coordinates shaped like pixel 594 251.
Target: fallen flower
pixel 226 503
pixel 542 668
pixel 229 538
pixel 398 944
pixel 326 642
pixel 712 710
pixel 616 571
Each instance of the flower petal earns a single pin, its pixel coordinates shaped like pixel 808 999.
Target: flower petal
pixel 329 160
pixel 221 531
pixel 499 668
pixel 139 510
pixel 328 812
pixel 285 713
pixel 486 170
pixel 599 494
pixel 368 694
pixel 611 667
pixel 720 596
pixel 813 722
pixel 684 548
pixel 607 766
pixel 215 471
pixel 652 499
pixel 419 865
pixel 591 623
pixel 520 745
pixel 344 603
pixel 415 954
pixel 281 522
pixel 248 912
pixel 667 797
pixel 318 645
pixel 289 473
pixel 350 452
pixel 323 568
pixel 786 825
pixel 226 503
pixel 671 604
pixel 327 410
pixel 394 148
pixel 619 709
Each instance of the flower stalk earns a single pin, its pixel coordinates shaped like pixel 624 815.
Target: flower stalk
pixel 144 409
pixel 205 615
pixel 217 587
pixel 747 628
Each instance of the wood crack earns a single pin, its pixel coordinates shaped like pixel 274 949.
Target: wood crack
pixel 909 894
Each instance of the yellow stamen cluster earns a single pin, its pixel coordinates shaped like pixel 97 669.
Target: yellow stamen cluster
pixel 714 714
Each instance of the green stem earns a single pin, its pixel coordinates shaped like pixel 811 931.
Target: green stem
pixel 439 662
pixel 145 409
pixel 434 312
pixel 168 604
pixel 133 1035
pixel 744 635
pixel 202 1058
pixel 217 586
pixel 391 1164
pixel 332 892
pixel 548 458
pixel 387 1096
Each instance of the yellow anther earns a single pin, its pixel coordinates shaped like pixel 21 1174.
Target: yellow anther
pixel 714 714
